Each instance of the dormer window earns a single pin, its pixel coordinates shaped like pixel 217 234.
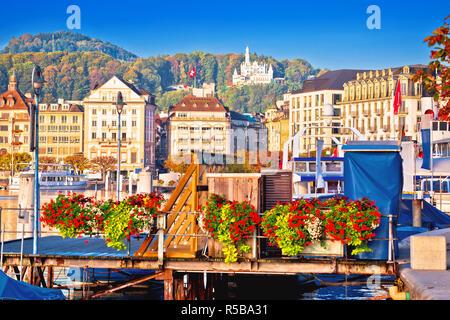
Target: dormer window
pixel 54 107
pixel 65 107
pixel 43 107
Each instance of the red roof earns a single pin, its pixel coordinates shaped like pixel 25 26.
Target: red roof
pixel 192 103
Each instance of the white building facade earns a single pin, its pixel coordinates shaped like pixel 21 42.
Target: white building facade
pixel 252 72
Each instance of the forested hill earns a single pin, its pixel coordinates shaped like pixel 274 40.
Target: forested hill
pixel 65 41
pixel 71 75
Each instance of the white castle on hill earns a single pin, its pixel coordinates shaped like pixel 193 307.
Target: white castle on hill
pixel 253 72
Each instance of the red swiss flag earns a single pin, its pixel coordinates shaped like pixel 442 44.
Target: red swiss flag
pixel 192 73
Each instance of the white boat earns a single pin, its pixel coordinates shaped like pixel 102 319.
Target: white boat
pixel 61 180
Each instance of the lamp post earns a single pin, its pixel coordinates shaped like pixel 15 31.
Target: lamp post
pixel 119 108
pixel 37 81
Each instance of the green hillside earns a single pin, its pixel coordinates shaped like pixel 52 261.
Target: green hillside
pixel 72 74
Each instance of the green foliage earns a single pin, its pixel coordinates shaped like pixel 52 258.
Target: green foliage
pixel 231 223
pixel 79 63
pixel 64 41
pixel 293 226
pixel 74 215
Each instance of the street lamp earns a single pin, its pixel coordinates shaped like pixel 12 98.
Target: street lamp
pixel 37 81
pixel 119 103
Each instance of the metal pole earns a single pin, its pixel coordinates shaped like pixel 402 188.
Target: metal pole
pixel 118 162
pixel 21 252
pixel 2 227
pixel 36 180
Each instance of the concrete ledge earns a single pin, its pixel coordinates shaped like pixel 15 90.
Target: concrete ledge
pixel 426 285
pixel 428 253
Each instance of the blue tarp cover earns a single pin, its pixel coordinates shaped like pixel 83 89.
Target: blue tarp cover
pixel 19 290
pixel 431 216
pixel 378 176
pixel 374 175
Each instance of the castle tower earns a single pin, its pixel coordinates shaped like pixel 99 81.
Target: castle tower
pixel 247 55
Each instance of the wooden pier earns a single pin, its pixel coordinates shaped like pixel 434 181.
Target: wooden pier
pixel 176 250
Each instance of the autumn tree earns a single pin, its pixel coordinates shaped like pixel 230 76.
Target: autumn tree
pixel 104 164
pixel 437 79
pixel 21 161
pixel 176 166
pixel 78 162
pixel 45 162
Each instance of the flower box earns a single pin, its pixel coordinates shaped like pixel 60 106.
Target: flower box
pixel 215 249
pixel 332 248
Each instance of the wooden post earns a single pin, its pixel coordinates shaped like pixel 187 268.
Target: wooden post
pixel 50 276
pixel 416 213
pixel 161 221
pixel 168 285
pixel 178 286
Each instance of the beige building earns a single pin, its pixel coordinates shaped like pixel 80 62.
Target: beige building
pixel 306 107
pixel 14 119
pixel 101 124
pixel 367 103
pixel 61 128
pixel 198 124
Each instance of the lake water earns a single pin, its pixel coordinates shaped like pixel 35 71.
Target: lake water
pixel 297 289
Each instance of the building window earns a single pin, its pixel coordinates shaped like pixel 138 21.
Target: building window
pixel 124 135
pixel 104 111
pixel 94 135
pixel 94 123
pixel 94 111
pixel 103 123
pixel 133 111
pixel 133 123
pixel 41 119
pixel 50 150
pixel 103 135
pixel 133 157
pixel 63 119
pixel 75 119
pixel 124 123
pixel 52 119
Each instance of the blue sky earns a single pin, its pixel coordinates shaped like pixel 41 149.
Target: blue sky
pixel 328 34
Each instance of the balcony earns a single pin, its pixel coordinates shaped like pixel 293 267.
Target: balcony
pixel 378 111
pixel 372 129
pixel 353 114
pixel 386 128
pixel 402 111
pixel 365 112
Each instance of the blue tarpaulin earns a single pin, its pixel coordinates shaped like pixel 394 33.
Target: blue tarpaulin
pixel 377 174
pixel 432 218
pixel 19 290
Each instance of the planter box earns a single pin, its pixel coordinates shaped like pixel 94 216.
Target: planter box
pixel 215 249
pixel 334 249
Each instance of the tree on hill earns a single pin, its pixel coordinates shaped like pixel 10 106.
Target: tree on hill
pixel 72 74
